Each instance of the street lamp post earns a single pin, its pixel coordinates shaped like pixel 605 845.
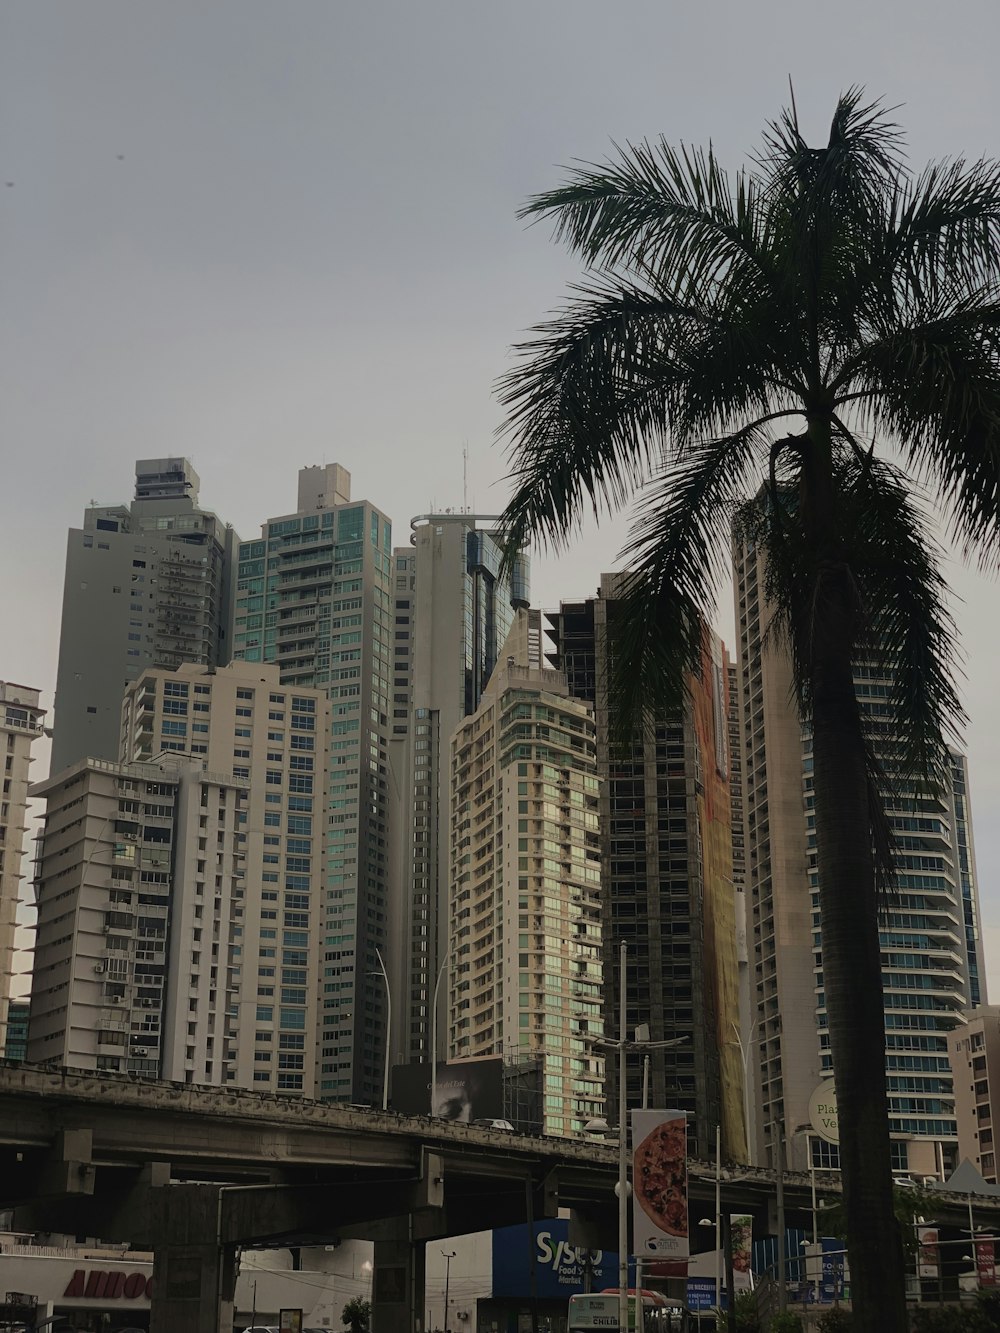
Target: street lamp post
pixel 434 1014
pixel 622 1150
pixel 600 1126
pixel 388 1030
pixel 448 1256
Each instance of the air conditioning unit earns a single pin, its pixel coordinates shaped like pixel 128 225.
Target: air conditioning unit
pixel 139 1050
pixel 117 999
pixel 148 1004
pixel 99 968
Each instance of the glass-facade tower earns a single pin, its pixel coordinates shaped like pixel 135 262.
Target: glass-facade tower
pixel 314 596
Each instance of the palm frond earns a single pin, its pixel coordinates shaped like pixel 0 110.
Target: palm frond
pixel 676 553
pixel 588 408
pixel 935 387
pixel 664 211
pixel 909 633
pixel 946 225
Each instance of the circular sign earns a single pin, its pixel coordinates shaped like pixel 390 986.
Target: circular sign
pixel 823 1112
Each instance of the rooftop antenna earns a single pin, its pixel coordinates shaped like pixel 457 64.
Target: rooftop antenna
pixel 465 476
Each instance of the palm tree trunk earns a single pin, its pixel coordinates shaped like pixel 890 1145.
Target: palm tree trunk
pixel 852 974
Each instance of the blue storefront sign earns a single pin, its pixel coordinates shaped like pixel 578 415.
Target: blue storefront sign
pixel 560 1268
pixel 701 1294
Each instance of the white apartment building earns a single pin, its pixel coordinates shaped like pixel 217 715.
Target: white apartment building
pixel 454 605
pixel 20 727
pixel 240 719
pixel 141 897
pixel 932 961
pixel 525 878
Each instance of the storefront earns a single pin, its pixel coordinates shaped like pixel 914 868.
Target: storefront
pixel 90 1289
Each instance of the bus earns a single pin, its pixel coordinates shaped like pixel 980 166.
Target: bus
pixel 597 1312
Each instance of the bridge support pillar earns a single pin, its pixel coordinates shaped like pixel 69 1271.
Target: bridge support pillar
pixel 194 1277
pixel 398 1279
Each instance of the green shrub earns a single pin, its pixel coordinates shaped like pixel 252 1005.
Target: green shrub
pixel 944 1319
pixel 837 1320
pixel 786 1322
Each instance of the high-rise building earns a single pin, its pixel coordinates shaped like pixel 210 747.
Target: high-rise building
pixel 667 877
pixel 454 605
pixel 315 598
pixel 241 720
pixel 525 910
pixel 974 1056
pixel 141 913
pixel 931 950
pixel 20 727
pixel 147 584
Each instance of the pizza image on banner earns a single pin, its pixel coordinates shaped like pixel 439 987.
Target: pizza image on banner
pixel 659 1184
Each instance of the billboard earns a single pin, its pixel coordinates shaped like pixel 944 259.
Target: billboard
pixel 741 1234
pixel 659 1185
pixel 928 1255
pixel 560 1268
pixel 467 1090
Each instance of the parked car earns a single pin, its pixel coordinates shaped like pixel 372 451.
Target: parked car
pixel 486 1123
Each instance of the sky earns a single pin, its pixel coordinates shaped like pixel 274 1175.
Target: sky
pixel 266 235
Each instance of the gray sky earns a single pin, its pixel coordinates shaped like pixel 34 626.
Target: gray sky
pixel 272 234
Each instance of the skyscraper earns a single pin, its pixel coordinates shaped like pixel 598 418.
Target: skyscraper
pixel 667 876
pixel 525 910
pixel 243 721
pixel 315 597
pixel 931 950
pixel 453 609
pixel 147 584
pixel 20 727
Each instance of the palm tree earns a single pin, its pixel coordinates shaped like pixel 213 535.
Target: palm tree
pixel 795 351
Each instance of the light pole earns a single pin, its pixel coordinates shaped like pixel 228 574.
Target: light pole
pixel 434 1028
pixel 622 1149
pixel 388 1029
pixel 600 1126
pixel 448 1256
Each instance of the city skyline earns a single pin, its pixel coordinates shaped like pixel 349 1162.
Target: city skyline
pixel 189 271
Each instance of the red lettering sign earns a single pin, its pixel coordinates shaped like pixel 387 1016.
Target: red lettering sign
pixel 108 1286
pixel 76 1284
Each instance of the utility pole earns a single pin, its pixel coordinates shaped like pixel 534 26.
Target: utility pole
pixel 779 1177
pixel 448 1256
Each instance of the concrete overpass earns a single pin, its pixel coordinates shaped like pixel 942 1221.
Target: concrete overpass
pixel 197 1173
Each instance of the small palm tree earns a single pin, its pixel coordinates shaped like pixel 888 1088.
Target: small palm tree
pixel 754 338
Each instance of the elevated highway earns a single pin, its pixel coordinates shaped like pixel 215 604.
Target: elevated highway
pixel 196 1173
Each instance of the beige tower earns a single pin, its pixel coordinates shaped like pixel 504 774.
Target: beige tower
pixel 525 880
pixel 20 727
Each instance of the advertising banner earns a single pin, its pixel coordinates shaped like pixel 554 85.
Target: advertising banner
pixel 561 1270
pixel 928 1256
pixel 659 1185
pixel 834 1264
pixel 986 1264
pixel 741 1231
pixel 466 1090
